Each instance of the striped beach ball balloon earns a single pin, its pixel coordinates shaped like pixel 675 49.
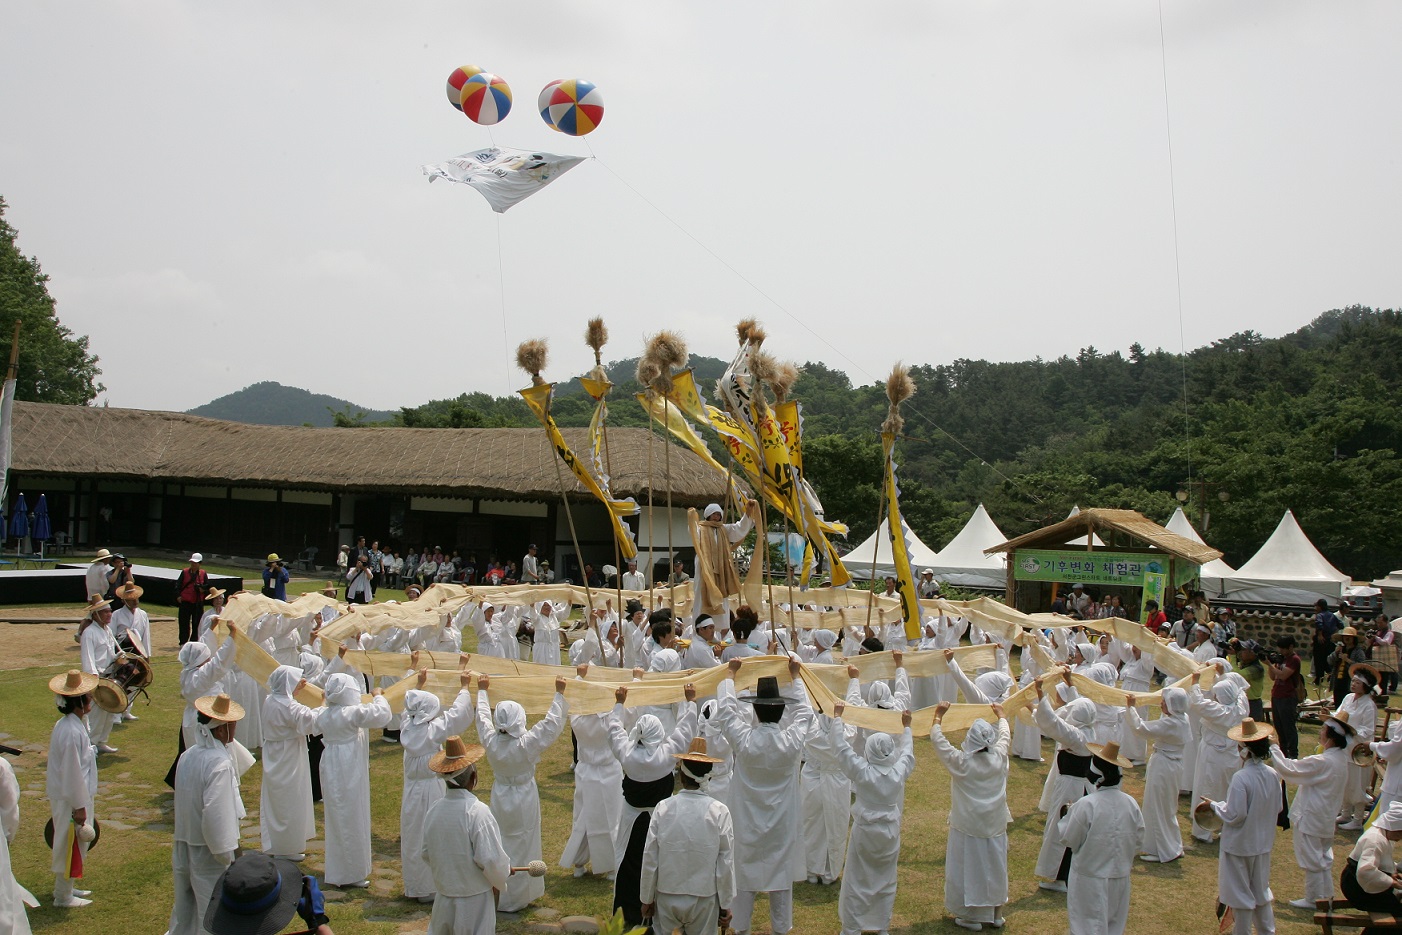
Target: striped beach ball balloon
pixel 543 101
pixel 486 98
pixel 455 82
pixel 575 107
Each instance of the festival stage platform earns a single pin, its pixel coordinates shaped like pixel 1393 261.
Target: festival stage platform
pixel 65 583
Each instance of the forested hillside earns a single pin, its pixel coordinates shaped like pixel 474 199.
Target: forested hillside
pixel 1311 421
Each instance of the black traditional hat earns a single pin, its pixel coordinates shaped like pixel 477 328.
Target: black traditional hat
pixel 767 693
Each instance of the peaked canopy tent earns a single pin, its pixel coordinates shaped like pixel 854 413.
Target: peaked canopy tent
pixel 1089 538
pixel 965 561
pixel 878 547
pixel 1141 558
pixel 1288 569
pixel 1212 573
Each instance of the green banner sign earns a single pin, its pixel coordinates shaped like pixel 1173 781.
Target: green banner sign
pixel 1118 568
pixel 1154 584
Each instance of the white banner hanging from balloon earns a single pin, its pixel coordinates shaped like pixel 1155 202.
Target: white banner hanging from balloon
pixel 504 177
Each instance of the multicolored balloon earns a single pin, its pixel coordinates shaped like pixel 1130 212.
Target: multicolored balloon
pixel 543 102
pixel 455 82
pixel 486 98
pixel 574 106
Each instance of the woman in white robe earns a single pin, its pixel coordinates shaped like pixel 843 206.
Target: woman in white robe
pixel 948 632
pixel 345 777
pixel 976 847
pixel 878 783
pixel 13 897
pixel 285 808
pixel 246 691
pixel 708 727
pixel 1072 728
pixel 664 660
pixel 1027 737
pixel 1321 779
pixel 514 752
pixel 201 674
pixel 1163 838
pixel 1136 675
pixel 1218 713
pixel 598 796
pixel 546 621
pixel 422 734
pixel 827 801
pixel 1361 713
pixel 1107 716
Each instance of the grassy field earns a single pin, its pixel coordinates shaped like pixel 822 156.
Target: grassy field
pixel 130 869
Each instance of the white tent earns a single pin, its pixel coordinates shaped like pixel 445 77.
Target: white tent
pixel 1211 575
pixel 1288 569
pixel 963 562
pixel 878 545
pixel 1095 540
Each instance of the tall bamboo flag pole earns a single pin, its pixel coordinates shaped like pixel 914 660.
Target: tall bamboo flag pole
pixel 782 382
pixel 646 373
pixel 530 357
pixel 596 336
pixel 667 352
pixel 7 402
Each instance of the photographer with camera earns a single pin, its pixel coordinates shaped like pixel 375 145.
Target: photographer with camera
pixel 275 578
pixel 1287 691
pixel 259 893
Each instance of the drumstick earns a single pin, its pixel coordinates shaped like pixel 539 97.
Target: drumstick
pixel 535 868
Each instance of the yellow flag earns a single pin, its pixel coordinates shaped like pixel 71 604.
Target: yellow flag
pixel 900 549
pixel 538 399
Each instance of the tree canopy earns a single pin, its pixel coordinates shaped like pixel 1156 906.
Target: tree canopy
pixel 55 365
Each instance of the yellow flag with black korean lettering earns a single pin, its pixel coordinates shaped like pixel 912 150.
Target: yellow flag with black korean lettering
pixel 538 399
pixel 900 548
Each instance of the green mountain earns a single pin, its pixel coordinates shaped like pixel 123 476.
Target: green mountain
pixel 270 403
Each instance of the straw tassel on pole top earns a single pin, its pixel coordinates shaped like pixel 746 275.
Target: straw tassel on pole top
pixel 899 388
pixel 530 357
pixel 666 352
pixel 596 335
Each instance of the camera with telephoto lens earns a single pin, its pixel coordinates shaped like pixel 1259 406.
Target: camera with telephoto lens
pixel 1276 658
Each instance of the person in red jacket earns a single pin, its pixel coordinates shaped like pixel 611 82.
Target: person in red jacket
pixel 190 589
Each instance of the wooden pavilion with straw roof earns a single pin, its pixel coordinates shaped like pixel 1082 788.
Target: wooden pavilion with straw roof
pixel 134 477
pixel 1139 559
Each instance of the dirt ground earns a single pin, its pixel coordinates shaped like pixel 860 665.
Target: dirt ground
pixel 52 644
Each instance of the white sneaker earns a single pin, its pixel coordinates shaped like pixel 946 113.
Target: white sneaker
pixel 72 902
pixel 82 894
pixel 1055 886
pixel 579 871
pixel 1149 858
pixel 1353 824
pixel 1302 903
pixel 128 716
pixel 999 922
pixel 106 748
pixel 971 926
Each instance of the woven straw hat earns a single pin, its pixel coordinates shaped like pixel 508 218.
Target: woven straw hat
pixel 96 602
pixel 212 593
pixel 274 557
pixel 133 591
pixel 102 555
pixel 219 707
pixel 73 683
pixel 1251 730
pixel 696 753
pixel 1110 753
pixel 455 756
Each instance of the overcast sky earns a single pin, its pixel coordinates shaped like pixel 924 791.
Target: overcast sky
pixel 226 193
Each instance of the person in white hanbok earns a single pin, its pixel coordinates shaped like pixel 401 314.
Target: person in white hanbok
pixel 768 845
pixel 700 653
pixel 71 781
pixel 598 796
pixel 645 752
pixel 285 804
pixel 827 801
pixel 1136 675
pixel 1163 838
pixel 246 690
pixel 1390 751
pixel 422 735
pixel 1248 832
pixel 1107 717
pixel 345 777
pixel 208 808
pixel 546 620
pixel 496 634
pixel 1321 779
pixel 445 638
pixel 1027 737
pixel 1072 727
pixel 201 674
pixel 878 778
pixel 1361 713
pixel 462 847
pixel 97 650
pixel 1218 758
pixel 514 752
pixel 708 729
pixel 1103 830
pixel 13 897
pixel 976 847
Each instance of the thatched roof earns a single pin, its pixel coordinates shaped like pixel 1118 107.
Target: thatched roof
pixel 508 464
pixel 1129 522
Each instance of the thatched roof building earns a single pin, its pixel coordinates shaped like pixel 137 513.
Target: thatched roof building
pixel 133 477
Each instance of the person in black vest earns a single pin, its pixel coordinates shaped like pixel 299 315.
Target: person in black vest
pixel 190 589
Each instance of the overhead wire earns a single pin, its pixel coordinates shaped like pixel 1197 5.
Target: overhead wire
pixel 1177 268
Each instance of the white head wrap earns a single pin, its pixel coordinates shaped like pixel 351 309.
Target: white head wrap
pixel 712 508
pixel 580 651
pixel 1237 679
pixel 981 736
pixel 1079 713
pixel 311 664
pixel 994 685
pixel 880 749
pixel 1173 701
pixel 283 680
pixel 1225 691
pixel 647 732
pixel 665 660
pixel 510 718
pixel 1223 665
pixel 342 689
pixel 1102 672
pixel 1390 820
pixel 1089 652
pixel 421 706
pixel 194 654
pixel 708 709
pixel 879 696
pixel 825 639
pixel 703 782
